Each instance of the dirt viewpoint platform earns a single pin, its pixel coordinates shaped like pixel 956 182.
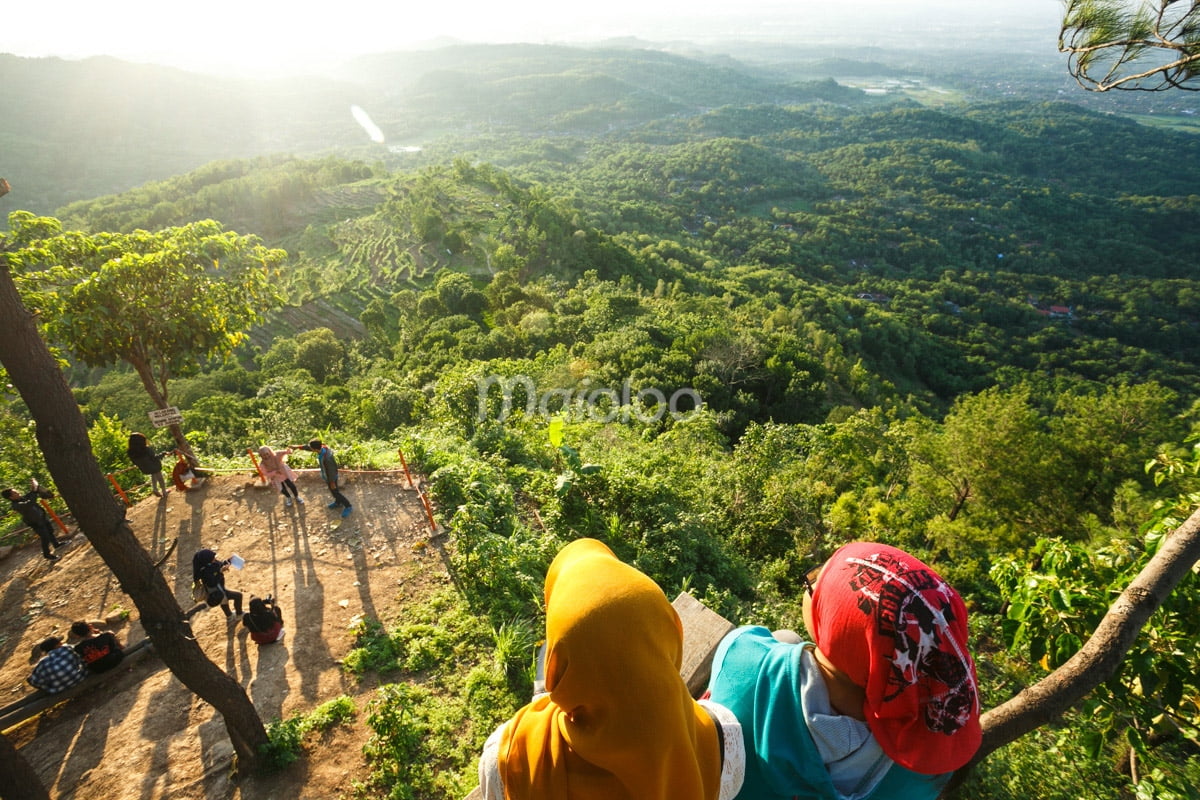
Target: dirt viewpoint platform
pixel 142 735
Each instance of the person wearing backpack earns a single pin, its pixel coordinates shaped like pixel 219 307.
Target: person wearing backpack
pixel 210 571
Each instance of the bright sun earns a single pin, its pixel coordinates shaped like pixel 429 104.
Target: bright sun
pixel 271 37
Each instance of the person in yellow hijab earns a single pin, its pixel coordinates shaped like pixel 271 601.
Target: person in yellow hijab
pixel 616 720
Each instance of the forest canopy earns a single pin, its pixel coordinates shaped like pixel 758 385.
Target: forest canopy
pixel 724 339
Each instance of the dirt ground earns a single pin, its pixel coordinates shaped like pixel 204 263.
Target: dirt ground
pixel 143 735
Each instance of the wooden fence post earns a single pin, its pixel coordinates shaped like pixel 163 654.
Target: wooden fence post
pixel 120 491
pixel 404 464
pixel 61 525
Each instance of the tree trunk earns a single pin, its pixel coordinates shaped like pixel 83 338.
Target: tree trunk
pixel 63 438
pixel 184 447
pixel 18 779
pixel 962 493
pixel 1098 659
pixel 159 398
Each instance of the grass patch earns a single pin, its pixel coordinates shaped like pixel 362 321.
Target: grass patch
pixel 459 679
pixel 285 738
pixel 1172 122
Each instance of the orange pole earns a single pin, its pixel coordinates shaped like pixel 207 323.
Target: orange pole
pixel 62 526
pixel 428 511
pixel 254 461
pixel 120 491
pixel 404 463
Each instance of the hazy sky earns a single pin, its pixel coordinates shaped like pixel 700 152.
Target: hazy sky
pixel 271 37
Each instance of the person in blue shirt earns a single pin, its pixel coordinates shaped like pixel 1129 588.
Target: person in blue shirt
pixel 881 704
pixel 59 669
pixel 329 473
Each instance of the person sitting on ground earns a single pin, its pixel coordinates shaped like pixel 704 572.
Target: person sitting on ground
pixel 29 506
pixel 185 475
pixel 279 473
pixel 210 571
pixel 882 703
pixel 264 621
pixel 59 669
pixel 616 721
pixel 99 650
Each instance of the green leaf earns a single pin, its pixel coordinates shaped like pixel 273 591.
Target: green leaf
pixel 555 432
pixel 1093 743
pixel 1065 646
pixel 1172 691
pixel 1134 737
pixel 1037 648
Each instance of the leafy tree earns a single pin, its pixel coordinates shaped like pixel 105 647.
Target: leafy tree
pixel 1054 603
pixel 321 353
pixel 1162 667
pixel 1145 45
pixel 1102 438
pixel 384 406
pixel 161 302
pixel 63 439
pixel 990 457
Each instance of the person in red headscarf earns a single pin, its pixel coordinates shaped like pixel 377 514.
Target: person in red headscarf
pixel 883 702
pixel 616 721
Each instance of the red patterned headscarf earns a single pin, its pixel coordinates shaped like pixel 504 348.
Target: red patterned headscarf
pixel 896 628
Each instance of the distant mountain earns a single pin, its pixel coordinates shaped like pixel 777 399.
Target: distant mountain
pixel 74 130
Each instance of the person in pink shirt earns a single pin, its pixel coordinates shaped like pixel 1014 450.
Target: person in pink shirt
pixel 277 472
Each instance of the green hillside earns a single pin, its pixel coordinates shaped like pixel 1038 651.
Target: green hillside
pixel 725 318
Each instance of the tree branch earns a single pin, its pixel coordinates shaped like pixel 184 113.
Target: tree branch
pixel 1100 656
pixel 1091 34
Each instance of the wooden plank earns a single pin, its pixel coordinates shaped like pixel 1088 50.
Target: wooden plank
pixel 539 671
pixel 703 630
pixel 476 794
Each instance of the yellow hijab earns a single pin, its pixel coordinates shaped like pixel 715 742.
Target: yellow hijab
pixel 618 721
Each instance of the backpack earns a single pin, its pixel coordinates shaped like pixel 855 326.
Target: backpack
pixel 210 574
pixel 216 596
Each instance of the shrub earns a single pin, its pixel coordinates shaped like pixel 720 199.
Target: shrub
pixel 285 737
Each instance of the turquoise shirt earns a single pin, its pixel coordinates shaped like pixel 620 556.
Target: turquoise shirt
pixel 328 464
pixel 758 678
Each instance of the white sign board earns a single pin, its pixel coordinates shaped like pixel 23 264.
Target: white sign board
pixel 162 417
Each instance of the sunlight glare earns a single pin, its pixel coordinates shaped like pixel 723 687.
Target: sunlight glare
pixel 368 125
